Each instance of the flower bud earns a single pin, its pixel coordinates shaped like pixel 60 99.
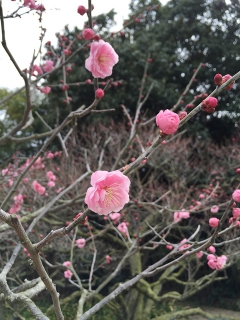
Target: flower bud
pixel 209 104
pixel 65 87
pixel 236 195
pixel 182 114
pixel 218 79
pixel 81 10
pixel 99 93
pixel 88 34
pixel 167 121
pixel 214 222
pixel 225 79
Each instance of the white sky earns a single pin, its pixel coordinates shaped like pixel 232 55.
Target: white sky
pixel 22 34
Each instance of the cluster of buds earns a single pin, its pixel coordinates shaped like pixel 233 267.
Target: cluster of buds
pixel 219 80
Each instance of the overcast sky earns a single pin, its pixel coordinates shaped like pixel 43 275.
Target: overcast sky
pixel 22 34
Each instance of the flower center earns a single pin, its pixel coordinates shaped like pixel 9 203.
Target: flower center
pixel 102 59
pixel 112 195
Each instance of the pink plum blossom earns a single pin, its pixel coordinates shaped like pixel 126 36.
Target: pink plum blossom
pixel 51 184
pixel 236 195
pixel 214 222
pixel 67 264
pixel 40 7
pixel 68 274
pixel 214 209
pixel 236 213
pixel 30 4
pixel 178 216
pixel 211 249
pixel 18 198
pixel 199 254
pixel 122 227
pixel 108 259
pixel 5 171
pixel 115 216
pixel 48 66
pixel 45 90
pixel 50 155
pixel 109 192
pixel 88 34
pixel 215 262
pixel 10 182
pixel 101 60
pixel 38 187
pixel 184 245
pixel 80 242
pixel 169 247
pixel 37 69
pixel 167 121
pixel 51 176
pixel 15 208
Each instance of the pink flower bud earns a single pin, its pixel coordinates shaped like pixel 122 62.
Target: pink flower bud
pixel 81 10
pixel 108 259
pixel 182 114
pixel 238 170
pixel 225 79
pixel 45 90
pixel 218 79
pixel 67 264
pixel 67 52
pixel 68 274
pixel 209 104
pixel 99 93
pixel 236 195
pixel 211 249
pixel 214 222
pixel 199 254
pixel 167 121
pixel 65 87
pixel 236 213
pixel 189 106
pixel 80 242
pixel 214 209
pixel 88 34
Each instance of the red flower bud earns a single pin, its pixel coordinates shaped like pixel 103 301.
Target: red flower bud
pixel 218 79
pixel 65 87
pixel 225 79
pixel 97 37
pixel 182 114
pixel 88 34
pixel 189 105
pixel 81 10
pixel 99 93
pixel 209 104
